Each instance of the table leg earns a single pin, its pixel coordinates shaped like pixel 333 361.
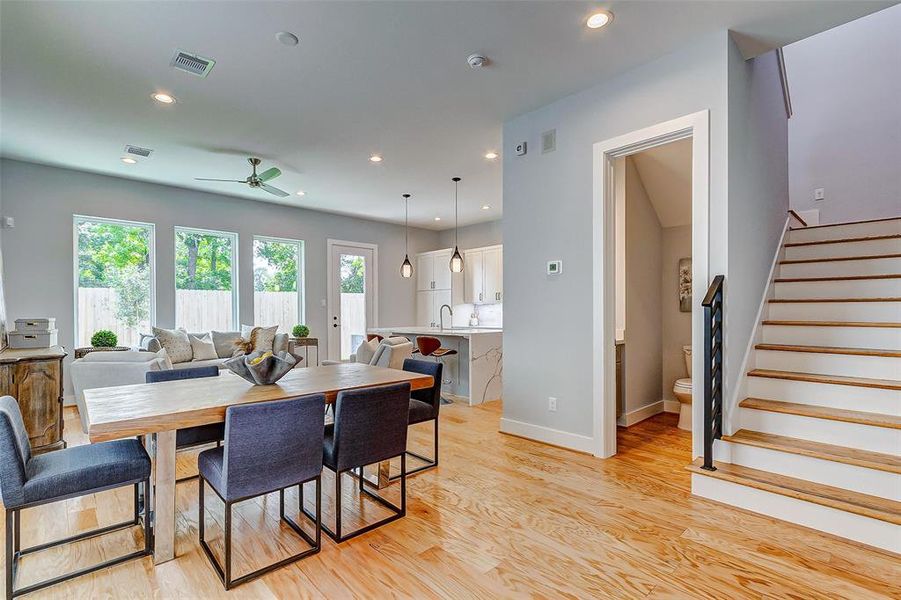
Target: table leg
pixel 164 497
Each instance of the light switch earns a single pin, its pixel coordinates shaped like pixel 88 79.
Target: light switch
pixel 554 267
pixel 819 193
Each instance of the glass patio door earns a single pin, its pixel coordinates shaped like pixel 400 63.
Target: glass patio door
pixel 351 296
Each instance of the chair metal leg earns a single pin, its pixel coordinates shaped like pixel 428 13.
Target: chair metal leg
pixel 10 553
pixel 430 463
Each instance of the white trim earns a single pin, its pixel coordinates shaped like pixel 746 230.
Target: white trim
pixel 233 237
pixel 694 126
pixel 76 219
pixel 301 272
pixel 672 406
pixel 640 414
pixel 330 286
pixel 783 80
pixel 555 437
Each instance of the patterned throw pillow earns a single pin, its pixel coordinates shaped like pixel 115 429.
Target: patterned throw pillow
pixel 265 336
pixel 176 344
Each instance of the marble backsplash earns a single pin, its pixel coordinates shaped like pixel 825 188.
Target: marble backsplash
pixel 489 315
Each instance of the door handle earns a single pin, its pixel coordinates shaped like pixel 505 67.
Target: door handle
pixel 334 324
pixel 480 296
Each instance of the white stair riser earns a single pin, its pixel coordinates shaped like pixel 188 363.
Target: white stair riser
pixel 875 400
pixel 888 338
pixel 840 433
pixel 866 248
pixel 846 288
pixel 835 311
pixel 865 530
pixel 827 472
pixel 875 367
pixel 842 268
pixel 851 230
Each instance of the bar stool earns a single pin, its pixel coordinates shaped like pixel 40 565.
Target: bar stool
pixel 374 336
pixel 431 346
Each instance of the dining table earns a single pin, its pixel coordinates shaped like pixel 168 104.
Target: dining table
pixel 156 410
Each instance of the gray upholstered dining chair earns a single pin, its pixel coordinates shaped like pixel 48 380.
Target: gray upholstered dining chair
pixel 191 437
pixel 424 406
pixel 269 447
pixel 370 426
pixel 27 481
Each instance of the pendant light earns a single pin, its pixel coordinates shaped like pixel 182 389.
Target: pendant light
pixel 406 269
pixel 456 261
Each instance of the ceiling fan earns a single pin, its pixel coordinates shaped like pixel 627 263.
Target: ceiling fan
pixel 256 181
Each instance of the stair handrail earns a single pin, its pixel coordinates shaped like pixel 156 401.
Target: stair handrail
pixel 797 217
pixel 713 368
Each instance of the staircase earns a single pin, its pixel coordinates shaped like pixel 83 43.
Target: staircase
pixel 819 441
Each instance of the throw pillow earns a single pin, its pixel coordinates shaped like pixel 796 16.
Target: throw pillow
pixel 366 350
pixel 203 348
pixel 176 343
pixel 163 358
pixel 265 336
pixel 225 341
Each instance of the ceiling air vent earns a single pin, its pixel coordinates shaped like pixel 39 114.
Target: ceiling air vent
pixel 191 63
pixel 138 151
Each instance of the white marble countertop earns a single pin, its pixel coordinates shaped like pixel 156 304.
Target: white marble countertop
pixel 447 331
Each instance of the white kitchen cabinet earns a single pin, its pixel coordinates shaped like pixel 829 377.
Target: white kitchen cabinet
pixel 433 270
pixel 483 275
pixel 441 270
pixel 428 308
pixel 425 272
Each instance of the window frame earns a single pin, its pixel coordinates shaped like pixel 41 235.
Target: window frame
pixel 236 297
pixel 301 272
pixel 77 219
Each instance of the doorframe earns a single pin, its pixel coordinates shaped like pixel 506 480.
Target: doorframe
pixel 695 126
pixel 330 283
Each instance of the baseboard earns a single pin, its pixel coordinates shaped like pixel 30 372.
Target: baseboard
pixel 69 400
pixel 546 435
pixel 640 414
pixel 672 406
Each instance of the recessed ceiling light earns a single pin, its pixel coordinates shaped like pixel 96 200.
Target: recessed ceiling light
pixel 287 38
pixel 485 207
pixel 599 19
pixel 301 193
pixel 437 218
pixel 375 158
pixel 163 98
pixel 128 160
pixel 491 155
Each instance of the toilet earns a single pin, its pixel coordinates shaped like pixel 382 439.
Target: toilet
pixel 682 391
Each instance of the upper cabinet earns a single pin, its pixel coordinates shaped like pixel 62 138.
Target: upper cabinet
pixel 483 275
pixel 433 270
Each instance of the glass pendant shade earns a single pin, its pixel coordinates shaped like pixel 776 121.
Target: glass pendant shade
pixel 456 262
pixel 406 269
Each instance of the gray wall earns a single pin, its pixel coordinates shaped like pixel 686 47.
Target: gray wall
pixel 548 215
pixel 676 327
pixel 473 236
pixel 38 251
pixel 845 133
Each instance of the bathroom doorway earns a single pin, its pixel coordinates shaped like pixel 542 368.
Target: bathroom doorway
pixel 653 292
pixel 651 401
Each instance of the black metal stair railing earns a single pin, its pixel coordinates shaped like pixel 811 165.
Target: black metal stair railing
pixel 713 368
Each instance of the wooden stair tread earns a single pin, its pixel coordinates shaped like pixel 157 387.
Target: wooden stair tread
pixel 802 261
pixel 800 489
pixel 885 384
pixel 872 238
pixel 886 324
pixel 879 220
pixel 803 300
pixel 842 454
pixel 830 350
pixel 823 412
pixel 836 278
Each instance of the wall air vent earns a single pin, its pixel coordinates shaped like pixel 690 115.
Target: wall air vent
pixel 138 151
pixel 191 63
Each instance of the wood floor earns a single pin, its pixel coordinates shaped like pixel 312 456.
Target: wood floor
pixel 502 517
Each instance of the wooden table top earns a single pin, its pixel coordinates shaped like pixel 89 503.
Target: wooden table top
pixel 130 410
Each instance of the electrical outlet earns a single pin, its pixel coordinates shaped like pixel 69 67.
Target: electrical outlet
pixel 819 193
pixel 552 404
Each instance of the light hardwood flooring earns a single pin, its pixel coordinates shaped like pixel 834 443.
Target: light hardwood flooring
pixel 501 517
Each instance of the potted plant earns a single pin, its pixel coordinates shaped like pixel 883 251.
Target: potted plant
pixel 104 339
pixel 300 331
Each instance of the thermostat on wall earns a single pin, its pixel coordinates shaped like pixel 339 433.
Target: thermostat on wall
pixel 554 267
pixel 521 149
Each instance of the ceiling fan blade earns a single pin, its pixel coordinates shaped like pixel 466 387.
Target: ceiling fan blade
pixel 229 180
pixel 274 190
pixel 269 174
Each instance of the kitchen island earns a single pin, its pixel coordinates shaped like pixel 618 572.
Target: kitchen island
pixel 476 371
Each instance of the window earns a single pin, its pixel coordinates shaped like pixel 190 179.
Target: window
pixel 278 283
pixel 206 289
pixel 114 279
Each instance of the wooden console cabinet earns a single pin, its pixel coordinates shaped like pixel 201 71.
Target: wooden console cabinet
pixel 34 377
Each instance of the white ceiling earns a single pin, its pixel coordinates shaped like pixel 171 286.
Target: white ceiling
pixel 386 77
pixel 665 172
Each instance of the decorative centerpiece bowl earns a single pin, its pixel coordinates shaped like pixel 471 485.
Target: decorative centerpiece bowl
pixel 261 368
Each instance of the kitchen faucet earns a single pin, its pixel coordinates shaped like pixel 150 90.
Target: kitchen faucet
pixel 441 314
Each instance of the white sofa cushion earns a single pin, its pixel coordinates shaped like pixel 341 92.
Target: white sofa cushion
pixel 119 356
pixel 202 348
pixel 365 351
pixel 176 343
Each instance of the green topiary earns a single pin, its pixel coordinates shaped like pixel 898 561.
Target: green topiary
pixel 300 331
pixel 104 339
